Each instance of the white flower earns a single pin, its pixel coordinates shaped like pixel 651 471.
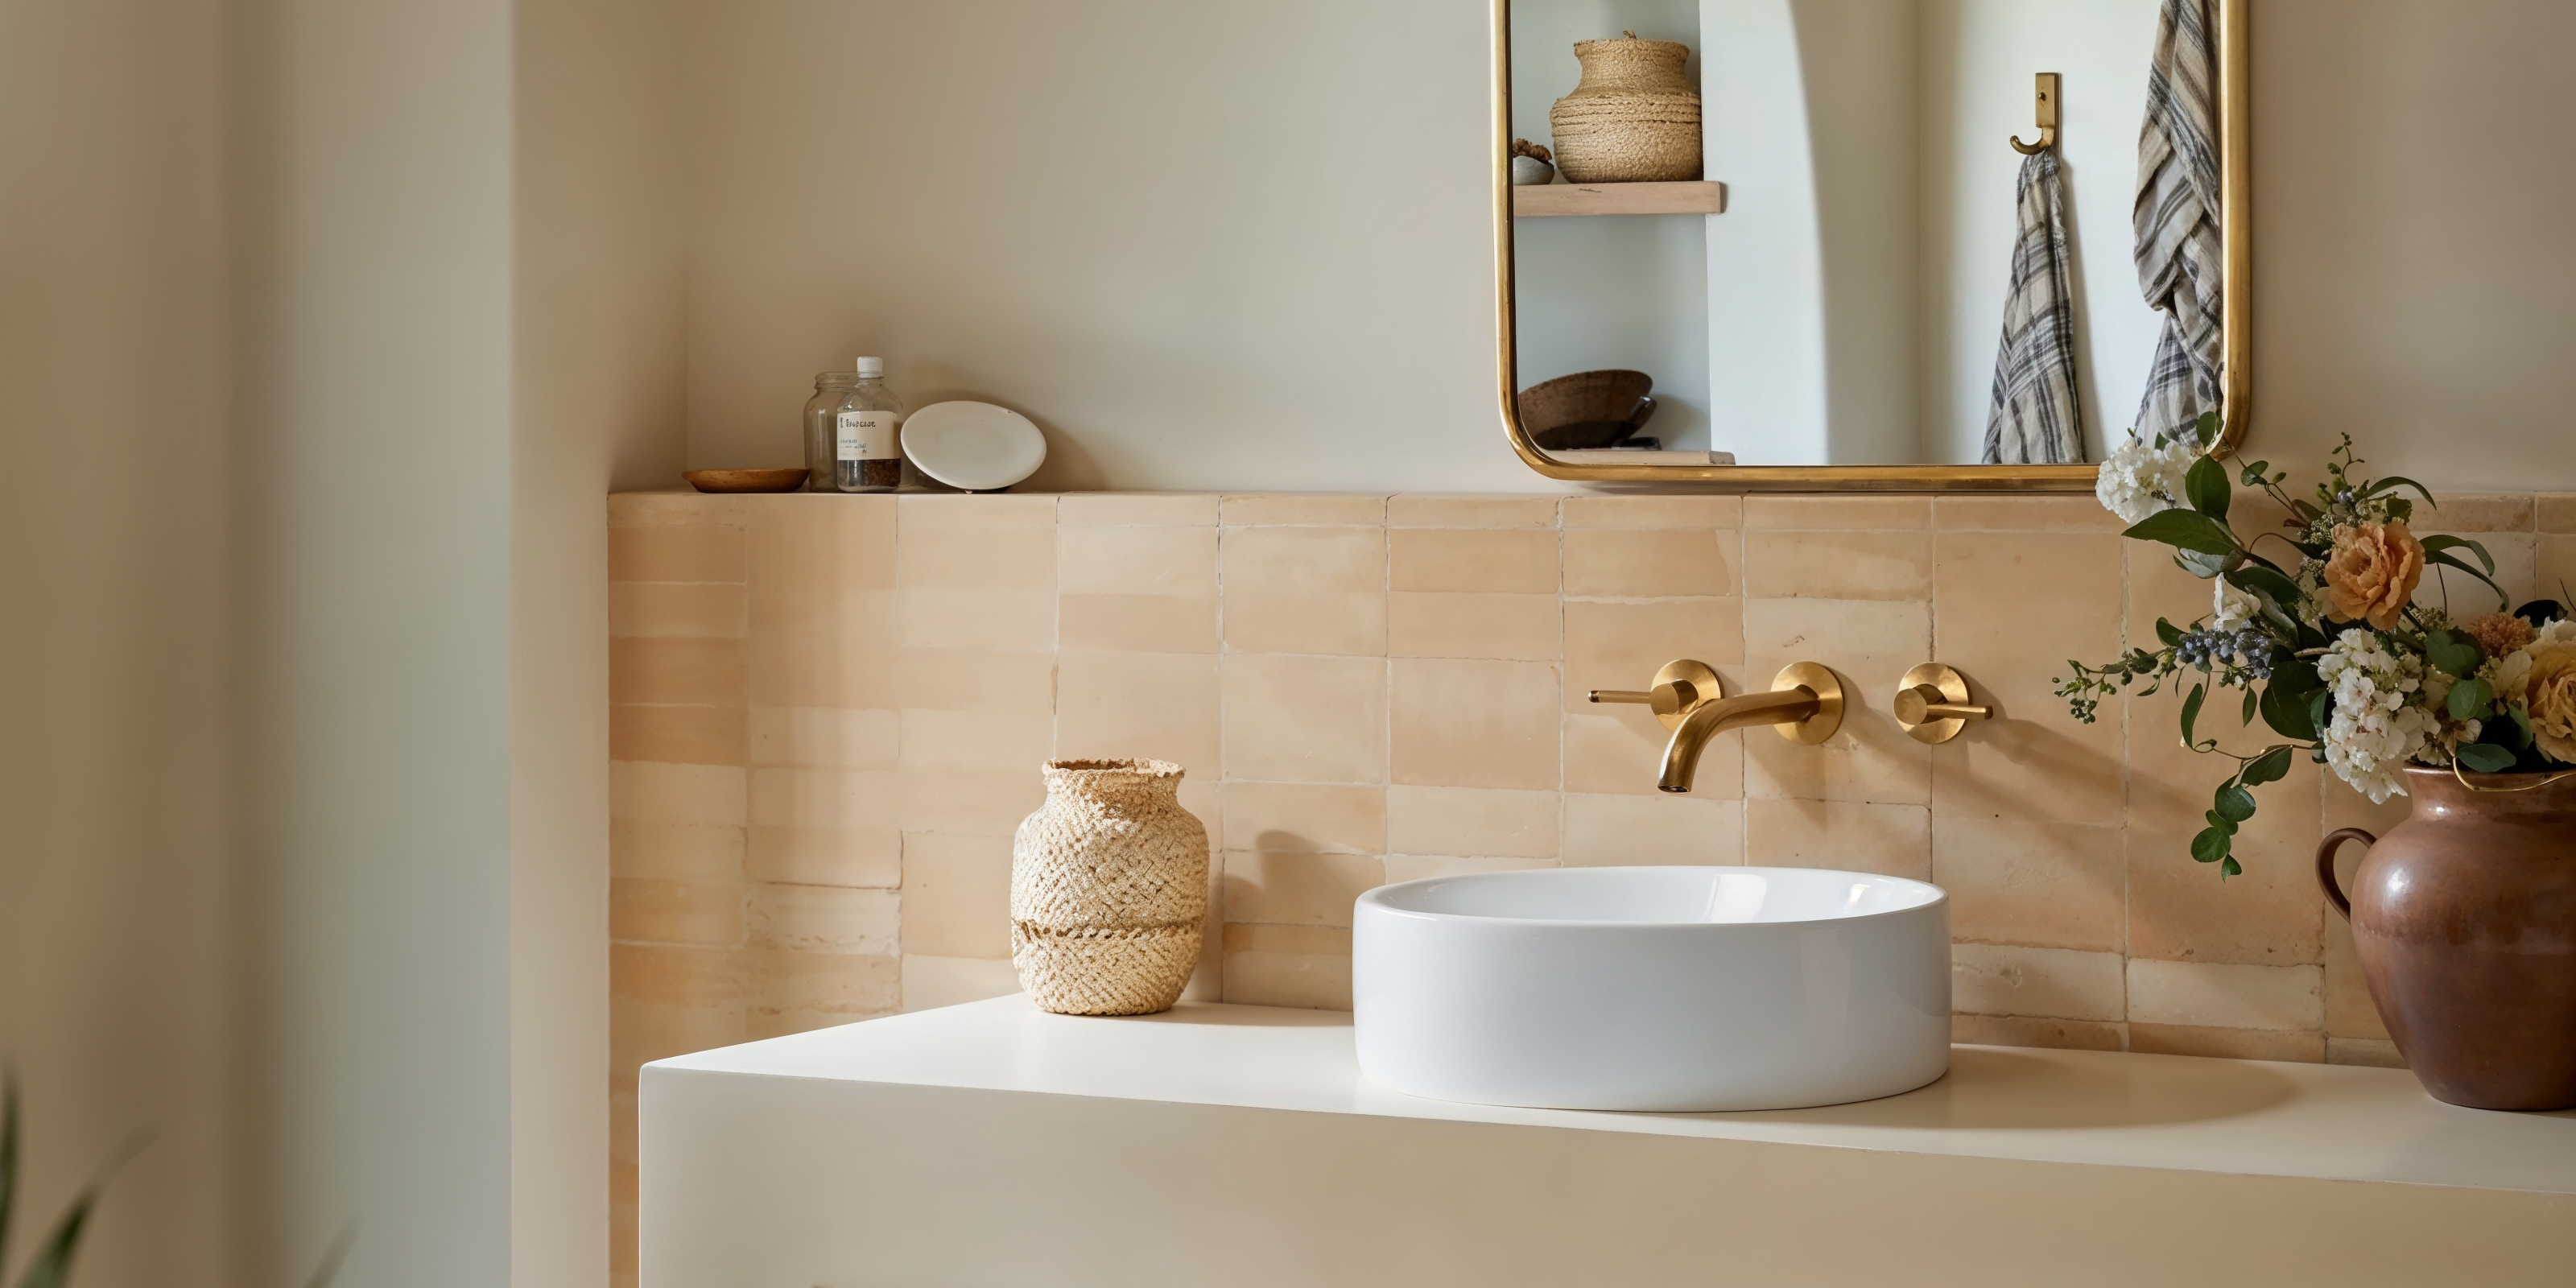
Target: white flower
pixel 2231 609
pixel 2378 722
pixel 2562 631
pixel 2509 673
pixel 2139 479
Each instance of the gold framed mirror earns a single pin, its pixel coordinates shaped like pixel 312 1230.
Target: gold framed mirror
pixel 1708 469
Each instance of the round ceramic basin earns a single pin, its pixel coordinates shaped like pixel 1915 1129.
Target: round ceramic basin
pixel 1671 989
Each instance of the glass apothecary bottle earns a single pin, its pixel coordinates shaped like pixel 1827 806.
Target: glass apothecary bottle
pixel 853 431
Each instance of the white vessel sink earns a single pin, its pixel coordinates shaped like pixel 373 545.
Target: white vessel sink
pixel 1673 989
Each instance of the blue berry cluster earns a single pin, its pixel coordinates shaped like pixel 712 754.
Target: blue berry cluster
pixel 2248 648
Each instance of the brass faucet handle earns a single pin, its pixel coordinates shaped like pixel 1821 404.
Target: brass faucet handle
pixel 1681 687
pixel 1932 703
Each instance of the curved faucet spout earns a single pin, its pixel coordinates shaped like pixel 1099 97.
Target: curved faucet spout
pixel 1709 719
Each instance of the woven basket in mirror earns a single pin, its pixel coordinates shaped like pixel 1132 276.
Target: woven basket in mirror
pixel 1634 117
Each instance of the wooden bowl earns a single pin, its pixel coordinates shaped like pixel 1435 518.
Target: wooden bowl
pixel 1589 409
pixel 745 480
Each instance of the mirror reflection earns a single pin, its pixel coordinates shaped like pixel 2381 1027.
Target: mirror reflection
pixel 1864 232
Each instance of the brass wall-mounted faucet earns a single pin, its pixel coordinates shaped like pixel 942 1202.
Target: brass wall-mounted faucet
pixel 1932 703
pixel 1805 704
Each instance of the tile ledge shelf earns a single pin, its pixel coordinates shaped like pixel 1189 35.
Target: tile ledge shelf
pixel 1157 1145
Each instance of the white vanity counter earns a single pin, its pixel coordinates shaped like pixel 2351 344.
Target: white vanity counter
pixel 991 1144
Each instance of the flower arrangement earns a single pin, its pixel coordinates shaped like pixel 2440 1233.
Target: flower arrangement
pixel 2321 634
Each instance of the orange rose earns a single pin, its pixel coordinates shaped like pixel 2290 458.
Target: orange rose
pixel 2550 691
pixel 2374 571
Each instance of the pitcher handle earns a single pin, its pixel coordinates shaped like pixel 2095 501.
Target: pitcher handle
pixel 2325 865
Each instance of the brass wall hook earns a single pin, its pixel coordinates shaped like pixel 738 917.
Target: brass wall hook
pixel 1932 704
pixel 2046 91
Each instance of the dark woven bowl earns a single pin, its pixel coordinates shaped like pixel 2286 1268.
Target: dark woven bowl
pixel 1589 409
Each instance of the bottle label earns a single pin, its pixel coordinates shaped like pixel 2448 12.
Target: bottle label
pixel 866 436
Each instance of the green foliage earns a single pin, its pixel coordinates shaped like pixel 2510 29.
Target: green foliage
pixel 2187 530
pixel 2206 487
pixel 2486 758
pixel 2457 656
pixel 52 1264
pixel 2472 700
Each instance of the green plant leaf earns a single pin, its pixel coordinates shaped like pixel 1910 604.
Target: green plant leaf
pixel 2486 758
pixel 2229 867
pixel 2235 804
pixel 2212 845
pixel 2264 580
pixel 2457 656
pixel 2191 711
pixel 2395 481
pixel 2206 429
pixel 2521 713
pixel 2168 632
pixel 2253 702
pixel 2205 566
pixel 2436 544
pixel 2449 560
pixel 2206 486
pixel 2252 474
pixel 2317 709
pixel 2401 510
pixel 2270 767
pixel 2187 530
pixel 2286 714
pixel 53 1262
pixel 8 1156
pixel 2472 700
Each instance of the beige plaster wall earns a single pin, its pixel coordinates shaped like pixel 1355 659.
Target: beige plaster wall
pixel 120 898
pixel 1246 246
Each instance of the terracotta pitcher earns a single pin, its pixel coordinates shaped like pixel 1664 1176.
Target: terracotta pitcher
pixel 2464 917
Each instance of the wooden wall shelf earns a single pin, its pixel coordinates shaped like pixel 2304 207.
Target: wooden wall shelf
pixel 1538 201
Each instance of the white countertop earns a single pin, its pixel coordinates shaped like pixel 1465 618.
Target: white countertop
pixel 2244 1117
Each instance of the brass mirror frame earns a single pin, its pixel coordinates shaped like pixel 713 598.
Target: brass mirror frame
pixel 2235 223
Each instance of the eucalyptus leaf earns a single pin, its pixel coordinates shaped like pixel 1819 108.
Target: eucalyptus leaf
pixel 2396 481
pixel 2220 822
pixel 2457 656
pixel 2206 486
pixel 2191 711
pixel 2286 714
pixel 2185 530
pixel 2252 474
pixel 2235 804
pixel 2472 700
pixel 2212 845
pixel 2486 758
pixel 2449 560
pixel 2205 566
pixel 2270 767
pixel 2267 581
pixel 2439 543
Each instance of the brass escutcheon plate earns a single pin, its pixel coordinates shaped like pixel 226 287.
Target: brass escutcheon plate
pixel 1953 687
pixel 1692 684
pixel 1828 689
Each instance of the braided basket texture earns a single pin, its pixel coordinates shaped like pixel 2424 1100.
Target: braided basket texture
pixel 1633 118
pixel 1108 889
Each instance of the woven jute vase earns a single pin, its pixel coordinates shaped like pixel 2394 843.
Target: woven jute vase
pixel 1633 118
pixel 1108 889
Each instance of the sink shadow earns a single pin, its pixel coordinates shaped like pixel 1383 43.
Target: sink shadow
pixel 1993 1090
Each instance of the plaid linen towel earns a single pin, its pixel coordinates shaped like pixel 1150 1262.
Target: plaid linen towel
pixel 2181 250
pixel 2033 418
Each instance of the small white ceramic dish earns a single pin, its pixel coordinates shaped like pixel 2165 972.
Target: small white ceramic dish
pixel 972 445
pixel 1680 989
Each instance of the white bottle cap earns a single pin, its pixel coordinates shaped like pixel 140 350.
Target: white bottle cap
pixel 871 366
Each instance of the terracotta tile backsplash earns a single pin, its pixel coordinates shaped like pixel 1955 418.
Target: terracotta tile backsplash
pixel 828 713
